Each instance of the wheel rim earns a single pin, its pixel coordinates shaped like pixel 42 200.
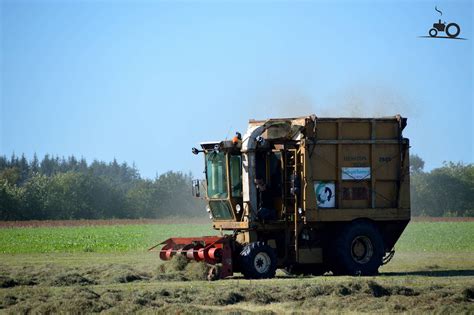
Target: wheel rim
pixel 362 249
pixel 456 33
pixel 262 262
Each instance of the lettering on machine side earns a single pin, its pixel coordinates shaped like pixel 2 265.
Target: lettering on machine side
pixel 355 158
pixel 355 193
pixel 355 173
pixel 386 159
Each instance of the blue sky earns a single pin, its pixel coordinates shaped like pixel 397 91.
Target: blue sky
pixel 144 81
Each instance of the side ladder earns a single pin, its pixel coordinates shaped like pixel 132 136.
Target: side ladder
pixel 291 204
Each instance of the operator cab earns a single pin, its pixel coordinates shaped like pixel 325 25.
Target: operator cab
pixel 268 155
pixel 223 169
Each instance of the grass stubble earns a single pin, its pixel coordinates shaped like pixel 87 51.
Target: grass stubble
pixel 431 280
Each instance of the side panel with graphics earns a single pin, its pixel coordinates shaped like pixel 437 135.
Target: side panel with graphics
pixel 325 194
pixel 357 168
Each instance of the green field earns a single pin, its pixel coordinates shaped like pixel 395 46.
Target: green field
pixel 107 269
pixel 99 239
pixel 418 237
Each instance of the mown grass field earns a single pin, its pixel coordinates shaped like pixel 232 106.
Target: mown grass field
pixel 106 268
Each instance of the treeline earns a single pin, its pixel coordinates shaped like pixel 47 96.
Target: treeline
pixel 444 191
pixel 60 188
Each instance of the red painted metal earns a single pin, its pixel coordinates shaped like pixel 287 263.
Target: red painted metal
pixel 215 253
pixel 226 260
pixel 201 255
pixel 168 254
pixel 211 249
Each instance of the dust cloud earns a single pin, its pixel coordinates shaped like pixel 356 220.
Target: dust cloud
pixel 354 101
pixel 369 101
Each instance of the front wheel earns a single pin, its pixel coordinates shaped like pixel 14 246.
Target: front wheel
pixel 258 261
pixel 359 249
pixel 433 32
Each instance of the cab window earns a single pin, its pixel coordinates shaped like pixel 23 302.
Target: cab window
pixel 236 175
pixel 216 175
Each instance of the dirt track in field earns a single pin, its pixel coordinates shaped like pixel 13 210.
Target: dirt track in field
pixel 175 220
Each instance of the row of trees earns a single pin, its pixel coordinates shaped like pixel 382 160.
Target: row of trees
pixel 444 191
pixel 59 188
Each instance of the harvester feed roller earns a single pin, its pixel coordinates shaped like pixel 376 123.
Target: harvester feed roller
pixel 212 250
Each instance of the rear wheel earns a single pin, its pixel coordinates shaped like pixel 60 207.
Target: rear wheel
pixel 450 32
pixel 359 250
pixel 258 261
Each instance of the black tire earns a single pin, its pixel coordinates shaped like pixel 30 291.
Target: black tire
pixel 453 35
pixel 359 250
pixel 258 261
pixel 433 32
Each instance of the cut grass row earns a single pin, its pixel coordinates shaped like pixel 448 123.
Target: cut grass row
pixel 107 269
pixel 319 295
pixel 418 237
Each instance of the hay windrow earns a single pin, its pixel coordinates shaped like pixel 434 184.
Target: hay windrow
pixel 125 281
pixel 7 282
pixel 197 271
pixel 312 296
pixel 179 268
pixel 69 279
pixel 230 298
pixel 177 263
pixel 468 294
